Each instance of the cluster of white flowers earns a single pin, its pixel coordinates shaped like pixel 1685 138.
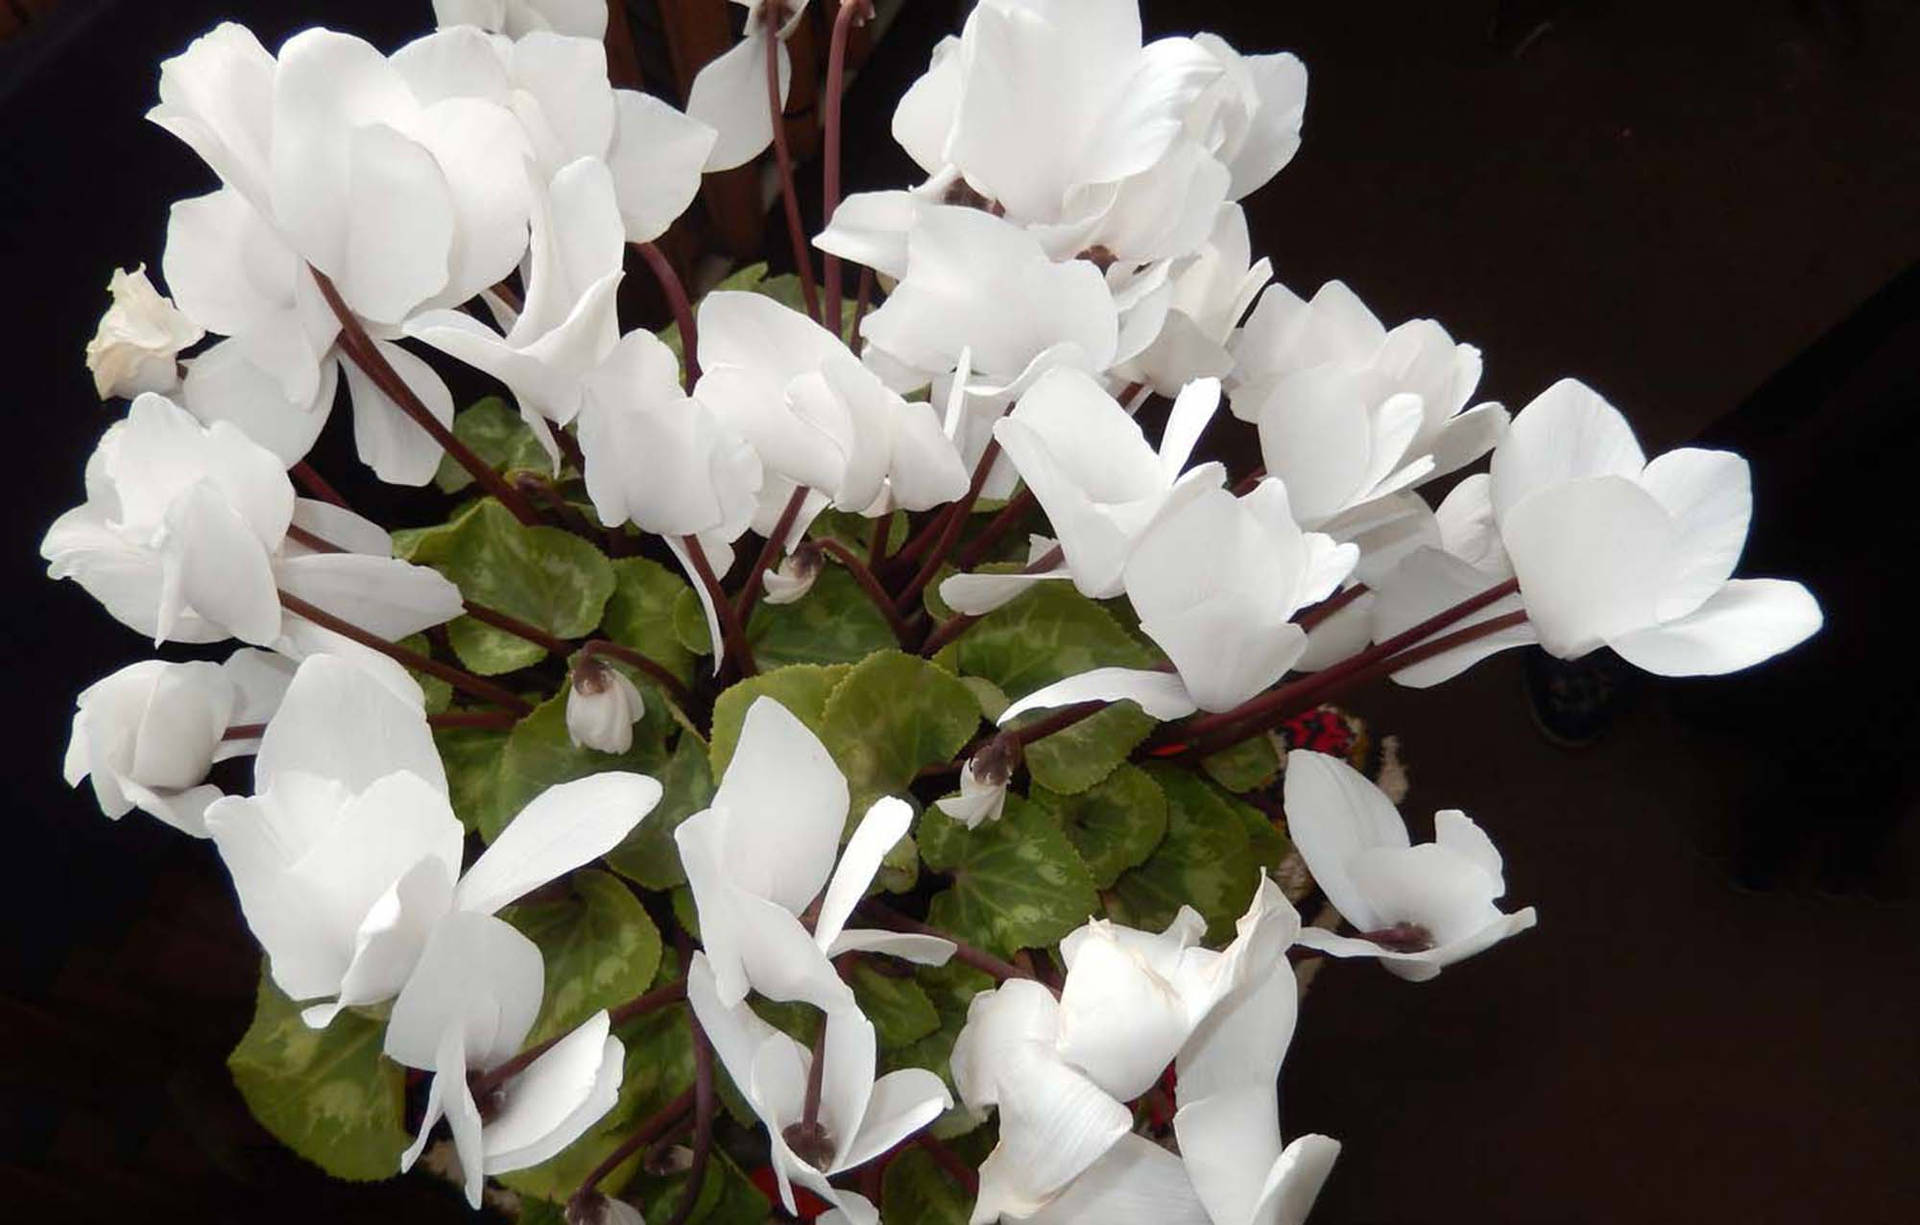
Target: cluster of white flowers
pixel 1076 249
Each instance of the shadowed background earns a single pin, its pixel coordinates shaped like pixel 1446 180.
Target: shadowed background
pixel 1703 210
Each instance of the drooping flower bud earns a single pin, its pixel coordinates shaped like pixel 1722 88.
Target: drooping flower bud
pixel 796 575
pixel 602 707
pixel 137 347
pixel 983 783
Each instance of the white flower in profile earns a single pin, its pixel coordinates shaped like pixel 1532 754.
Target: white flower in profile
pixel 517 18
pixel 983 785
pixel 761 855
pixel 858 1116
pixel 568 323
pixel 1216 581
pixel 979 592
pixel 794 577
pixel 465 1010
pixel 1211 291
pixel 1250 118
pixel 1094 473
pixel 1611 549
pixel 816 415
pixel 147 735
pixel 137 346
pixel 973 281
pixel 602 706
pixel 349 853
pixel 1418 908
pixel 178 532
pixel 729 94
pixel 1350 412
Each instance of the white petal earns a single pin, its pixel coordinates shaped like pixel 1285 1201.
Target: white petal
pixel 729 95
pixel 656 158
pixel 1333 814
pixel 1160 694
pixel 478 977
pixel 564 827
pixel 976 595
pixel 1295 1180
pixel 1565 434
pixel 1054 1124
pixel 1120 1023
pixel 1427 583
pixel 338 722
pixel 224 383
pixel 1747 621
pixel 384 596
pixel 884 825
pixel 787 802
pixel 902 1103
pixel 921 950
pixel 1135 1183
pixel 554 1101
pixel 1709 495
pixel 398 449
pixel 926 110
pixel 1593 557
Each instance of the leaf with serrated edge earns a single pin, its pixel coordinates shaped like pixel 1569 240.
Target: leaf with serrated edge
pixel 1115 824
pixel 1017 882
pixel 1205 861
pixel 834 623
pixel 891 715
pixel 600 948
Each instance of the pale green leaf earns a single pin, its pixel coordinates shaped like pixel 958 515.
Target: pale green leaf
pixel 801 688
pixel 648 855
pixel 600 947
pixel 640 613
pixel 497 435
pixel 900 1011
pixel 891 715
pixel 1115 824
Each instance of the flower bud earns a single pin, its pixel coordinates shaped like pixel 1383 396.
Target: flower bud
pixel 147 735
pixel 602 707
pixel 983 783
pixel 593 1208
pixel 137 346
pixel 796 575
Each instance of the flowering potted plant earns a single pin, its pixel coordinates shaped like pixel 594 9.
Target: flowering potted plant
pixel 870 725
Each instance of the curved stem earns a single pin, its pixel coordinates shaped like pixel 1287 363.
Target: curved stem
pixel 771 551
pixel 703 1105
pixel 732 633
pixel 317 485
pixel 1312 617
pixel 949 531
pixel 358 346
pixel 676 291
pixel 639 1005
pixel 647 1132
pixel 783 157
pixel 654 670
pixel 965 953
pixel 1002 522
pixel 466 682
pixel 850 10
pixel 871 585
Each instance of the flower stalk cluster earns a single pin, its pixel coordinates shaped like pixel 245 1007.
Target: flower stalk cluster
pixel 836 689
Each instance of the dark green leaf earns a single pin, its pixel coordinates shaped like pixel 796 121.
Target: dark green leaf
pixel 1017 882
pixel 327 1094
pixel 1115 824
pixel 1246 766
pixel 690 624
pixel 891 715
pixel 835 623
pixel 727 1196
pixel 900 1011
pixel 541 575
pixel 539 753
pixel 496 434
pixel 801 688
pixel 917 1190
pixel 649 855
pixel 1205 861
pixel 438 693
pixel 600 947
pixel 472 756
pixel 640 613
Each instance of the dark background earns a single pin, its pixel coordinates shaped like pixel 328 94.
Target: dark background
pixel 1706 210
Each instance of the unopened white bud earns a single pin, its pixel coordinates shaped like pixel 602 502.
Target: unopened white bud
pixel 602 707
pixel 796 575
pixel 137 347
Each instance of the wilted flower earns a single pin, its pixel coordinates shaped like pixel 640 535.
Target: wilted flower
pixel 137 348
pixel 602 706
pixel 1418 908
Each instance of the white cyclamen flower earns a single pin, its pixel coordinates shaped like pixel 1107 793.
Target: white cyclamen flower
pixel 147 735
pixel 1418 908
pixel 762 853
pixel 348 854
pixel 1058 1070
pixel 858 1117
pixel 137 347
pixel 983 785
pixel 1094 473
pixel 1350 412
pixel 815 415
pixel 1210 293
pixel 729 94
pixel 465 1010
pixel 602 707
pixel 516 18
pixel 1611 549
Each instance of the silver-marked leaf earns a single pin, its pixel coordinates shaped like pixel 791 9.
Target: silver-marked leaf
pixel 640 613
pixel 601 950
pixel 1114 824
pixel 1017 882
pixel 802 688
pixel 1206 861
pixel 497 435
pixel 891 715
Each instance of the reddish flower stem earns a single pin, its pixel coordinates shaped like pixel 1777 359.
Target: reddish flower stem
pixel 950 1161
pixel 732 634
pixel 949 529
pixel 870 585
pixel 770 552
pixel 979 959
pixel 1313 616
pixel 639 1005
pixel 466 682
pixel 783 158
pixel 703 1104
pixel 317 485
pixel 676 291
pixel 358 346
pixel 1002 522
pixel 850 11
pixel 659 1122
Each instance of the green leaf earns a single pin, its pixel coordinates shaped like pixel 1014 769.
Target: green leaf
pixel 915 1189
pixel 658 1068
pixel 496 434
pixel 1115 824
pixel 539 753
pixel 801 688
pixel 1017 882
pixel 727 1196
pixel 640 613
pixel 541 575
pixel 1206 861
pixel 900 1011
pixel 835 623
pixel 1246 766
pixel 992 700
pixel 1048 633
pixel 438 693
pixel 601 950
pixel 648 854
pixel 891 715
pixel 856 530
pixel 472 757
pixel 950 989
pixel 327 1094
pixel 690 624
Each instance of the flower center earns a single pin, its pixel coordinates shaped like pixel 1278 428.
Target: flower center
pixel 1401 938
pixel 811 1143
